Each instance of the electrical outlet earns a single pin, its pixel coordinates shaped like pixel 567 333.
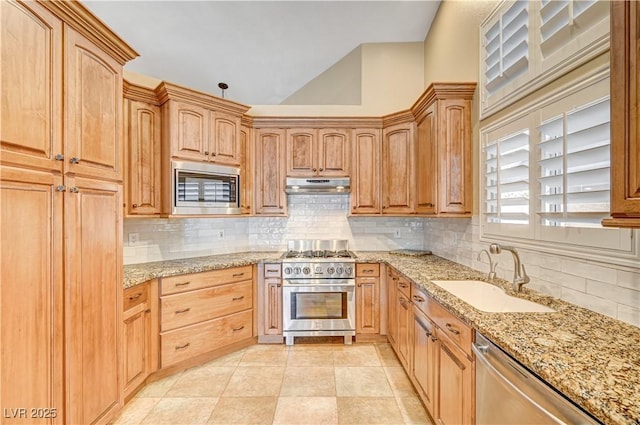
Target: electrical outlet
pixel 220 235
pixel 396 234
pixel 133 238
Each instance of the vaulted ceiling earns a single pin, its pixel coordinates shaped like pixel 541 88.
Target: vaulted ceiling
pixel 264 50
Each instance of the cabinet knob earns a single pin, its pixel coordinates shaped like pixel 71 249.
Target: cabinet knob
pixel 430 204
pixel 74 190
pixel 61 188
pixel 314 169
pixel 359 285
pixel 59 157
pixel 322 169
pixel 206 152
pixel 74 160
pixel 135 205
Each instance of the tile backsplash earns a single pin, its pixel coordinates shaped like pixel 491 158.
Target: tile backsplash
pixel 608 289
pixel 309 217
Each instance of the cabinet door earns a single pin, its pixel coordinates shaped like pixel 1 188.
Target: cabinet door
pixel 454 156
pixel 273 307
pixel 188 131
pixel 93 102
pixel 269 178
pixel 93 280
pixel 365 182
pixel 136 332
pixel 392 300
pixel 333 152
pixel 301 152
pixel 143 182
pixel 403 310
pixel 31 298
pixel 367 305
pixel 246 165
pixel 397 169
pixel 625 111
pixel 426 165
pixel 455 385
pixel 224 139
pixel 424 359
pixel 30 72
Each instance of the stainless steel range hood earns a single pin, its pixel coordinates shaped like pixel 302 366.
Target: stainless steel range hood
pixel 318 185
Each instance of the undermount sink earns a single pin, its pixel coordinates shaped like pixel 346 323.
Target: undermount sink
pixel 489 298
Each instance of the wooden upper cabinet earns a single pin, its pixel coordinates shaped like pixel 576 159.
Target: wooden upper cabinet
pixel 93 100
pixel 625 115
pixel 397 169
pixel 426 165
pixel 188 131
pixel 31 71
pixel 302 152
pixel 224 139
pixel 270 198
pixel 366 182
pixel 31 294
pixel 333 152
pixel 443 160
pixel 143 161
pixel 313 152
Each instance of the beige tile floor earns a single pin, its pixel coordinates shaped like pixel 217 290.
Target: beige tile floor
pixel 275 384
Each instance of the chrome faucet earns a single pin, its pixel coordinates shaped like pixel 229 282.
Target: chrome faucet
pixel 492 265
pixel 519 274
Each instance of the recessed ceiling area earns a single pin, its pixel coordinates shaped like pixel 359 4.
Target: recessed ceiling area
pixel 264 50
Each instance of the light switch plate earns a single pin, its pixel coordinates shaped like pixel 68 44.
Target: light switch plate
pixel 133 238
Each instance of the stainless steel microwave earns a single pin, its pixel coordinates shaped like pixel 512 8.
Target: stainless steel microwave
pixel 200 188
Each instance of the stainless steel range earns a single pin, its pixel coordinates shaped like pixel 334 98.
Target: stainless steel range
pixel 318 289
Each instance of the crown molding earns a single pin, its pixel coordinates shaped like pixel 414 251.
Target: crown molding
pixel 317 122
pixel 168 91
pixel 439 91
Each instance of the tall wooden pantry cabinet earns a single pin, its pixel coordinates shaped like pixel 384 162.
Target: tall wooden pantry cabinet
pixel 61 167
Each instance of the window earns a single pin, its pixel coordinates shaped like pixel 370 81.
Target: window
pixel 527 44
pixel 546 172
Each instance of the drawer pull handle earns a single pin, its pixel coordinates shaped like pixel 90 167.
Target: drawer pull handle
pixel 402 285
pixel 418 298
pixel 273 270
pixel 182 347
pixel 450 328
pixel 238 329
pixel 135 297
pixel 183 311
pixel 367 271
pixel 238 274
pixel 238 298
pixel 182 283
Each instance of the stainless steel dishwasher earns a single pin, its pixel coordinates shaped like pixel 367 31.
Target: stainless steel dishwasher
pixel 507 393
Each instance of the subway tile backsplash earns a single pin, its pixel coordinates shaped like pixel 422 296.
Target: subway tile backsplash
pixel 607 289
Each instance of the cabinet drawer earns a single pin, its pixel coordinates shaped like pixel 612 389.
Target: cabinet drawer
pixel 204 304
pixel 272 270
pixel 404 286
pixel 190 282
pixel 368 269
pixel 451 326
pixel 185 343
pixel 419 299
pixel 135 295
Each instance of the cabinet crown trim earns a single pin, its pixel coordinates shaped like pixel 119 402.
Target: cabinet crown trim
pixel 402 117
pixel 317 122
pixel 438 91
pixel 86 23
pixel 168 91
pixel 139 93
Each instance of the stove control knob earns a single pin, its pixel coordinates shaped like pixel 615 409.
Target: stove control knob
pixel 331 270
pixel 318 269
pixel 348 270
pixel 339 270
pixel 287 270
pixel 306 270
pixel 296 270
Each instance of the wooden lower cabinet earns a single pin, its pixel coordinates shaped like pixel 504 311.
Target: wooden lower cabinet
pixel 270 303
pixel 454 402
pixel 404 312
pixel 137 362
pixel 392 296
pixel 425 358
pixel 204 312
pixel 367 298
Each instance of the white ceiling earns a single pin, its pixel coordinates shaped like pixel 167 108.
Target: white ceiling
pixel 264 50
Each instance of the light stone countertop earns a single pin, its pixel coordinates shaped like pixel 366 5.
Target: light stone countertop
pixel 591 358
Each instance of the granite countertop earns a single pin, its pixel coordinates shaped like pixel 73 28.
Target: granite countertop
pixel 591 358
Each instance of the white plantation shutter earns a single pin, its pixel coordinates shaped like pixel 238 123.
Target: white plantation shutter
pixel 506 48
